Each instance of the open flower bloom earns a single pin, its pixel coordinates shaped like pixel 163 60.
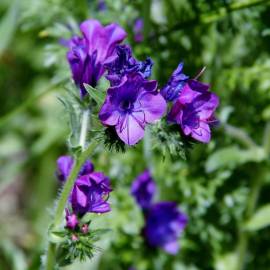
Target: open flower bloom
pixel 130 106
pixel 143 189
pixel 64 167
pixel 194 110
pixel 90 194
pixel 164 225
pixel 175 84
pixel 88 54
pixel 125 63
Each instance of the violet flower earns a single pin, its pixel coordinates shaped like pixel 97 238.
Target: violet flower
pixel 125 63
pixel 138 30
pixel 90 194
pixel 64 167
pixel 194 110
pixel 71 220
pixel 175 84
pixel 164 225
pixel 143 189
pixel 130 106
pixel 88 54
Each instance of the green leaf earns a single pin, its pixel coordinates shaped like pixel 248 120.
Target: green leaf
pixel 232 156
pixel 8 25
pixel 260 219
pixel 97 95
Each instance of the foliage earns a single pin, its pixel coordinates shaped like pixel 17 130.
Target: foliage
pixel 216 185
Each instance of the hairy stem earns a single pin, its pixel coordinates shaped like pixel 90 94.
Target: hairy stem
pixel 84 128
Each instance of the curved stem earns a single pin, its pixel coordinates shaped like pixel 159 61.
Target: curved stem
pixel 63 200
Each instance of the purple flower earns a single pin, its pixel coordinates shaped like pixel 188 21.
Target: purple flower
pixel 88 54
pixel 164 225
pixel 143 189
pixel 138 30
pixel 175 84
pixel 71 220
pixel 194 110
pixel 64 166
pixel 125 63
pixel 130 106
pixel 90 194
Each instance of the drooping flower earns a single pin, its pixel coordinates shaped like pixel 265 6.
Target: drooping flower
pixel 90 194
pixel 143 189
pixel 164 225
pixel 175 84
pixel 88 54
pixel 125 64
pixel 71 220
pixel 138 30
pixel 130 106
pixel 194 110
pixel 64 166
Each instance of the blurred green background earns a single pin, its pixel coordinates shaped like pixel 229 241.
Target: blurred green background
pixel 223 186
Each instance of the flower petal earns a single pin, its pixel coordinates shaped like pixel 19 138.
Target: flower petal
pixel 130 131
pixel 154 106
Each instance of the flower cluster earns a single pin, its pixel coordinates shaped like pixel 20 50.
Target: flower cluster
pixel 164 222
pixel 90 192
pixel 132 101
pixel 88 54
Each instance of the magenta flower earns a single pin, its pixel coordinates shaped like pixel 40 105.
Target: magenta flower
pixel 143 189
pixel 88 54
pixel 125 64
pixel 194 110
pixel 175 84
pixel 130 106
pixel 164 225
pixel 71 220
pixel 90 194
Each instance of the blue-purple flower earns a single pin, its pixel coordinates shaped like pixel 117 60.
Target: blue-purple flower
pixel 175 84
pixel 163 226
pixel 143 189
pixel 125 64
pixel 88 54
pixel 90 194
pixel 91 189
pixel 194 110
pixel 64 167
pixel 138 30
pixel 130 106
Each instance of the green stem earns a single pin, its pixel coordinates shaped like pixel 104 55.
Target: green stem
pixel 64 197
pixel 251 206
pixel 50 257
